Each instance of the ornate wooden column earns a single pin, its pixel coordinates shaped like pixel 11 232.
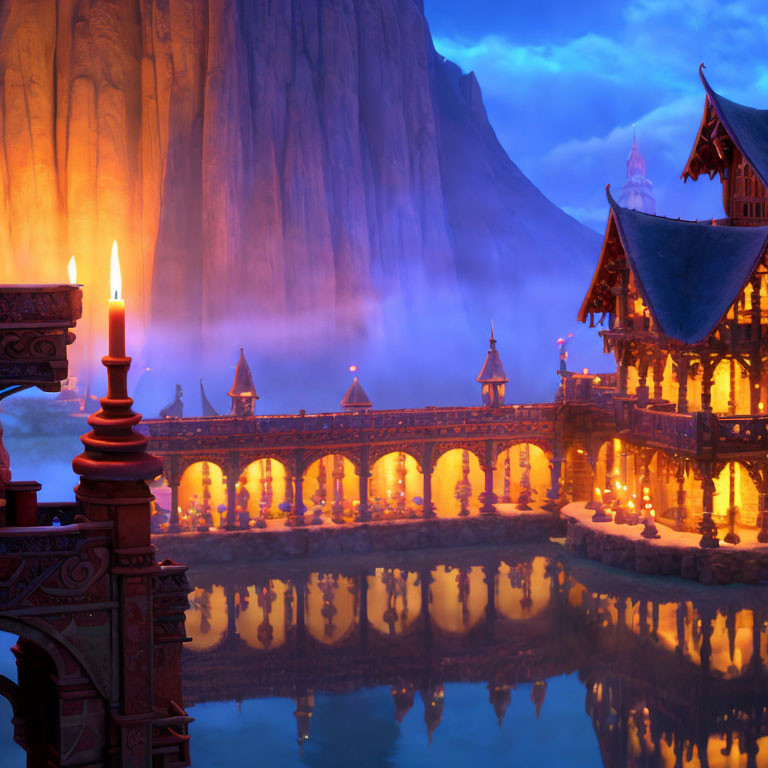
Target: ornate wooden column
pixel 707 370
pixel 683 364
pixel 659 364
pixel 680 513
pixel 489 497
pixel 707 527
pixel 755 364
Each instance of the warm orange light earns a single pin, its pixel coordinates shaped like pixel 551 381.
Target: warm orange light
pixel 631 504
pixel 115 276
pixel 116 307
pixel 72 270
pixel 585 371
pixel 561 341
pixel 760 406
pixel 596 380
pixel 579 451
pixel 353 368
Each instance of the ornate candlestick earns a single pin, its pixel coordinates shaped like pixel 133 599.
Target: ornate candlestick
pixel 113 470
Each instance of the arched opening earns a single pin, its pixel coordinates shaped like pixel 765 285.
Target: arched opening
pixel 522 477
pixel 730 388
pixel 206 617
pixel 202 496
pixel 265 488
pixel 457 598
pixel 394 601
pixel 332 607
pixel 457 481
pixel 578 478
pixel 331 484
pixel 265 614
pixel 734 488
pixel 395 487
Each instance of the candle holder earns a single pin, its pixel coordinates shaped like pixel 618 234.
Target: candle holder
pixel 649 529
pixel 114 450
pixel 600 515
pixel 619 513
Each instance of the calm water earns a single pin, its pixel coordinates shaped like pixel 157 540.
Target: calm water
pixel 480 657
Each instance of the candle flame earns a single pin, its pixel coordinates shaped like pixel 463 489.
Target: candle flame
pixel 115 276
pixel 72 270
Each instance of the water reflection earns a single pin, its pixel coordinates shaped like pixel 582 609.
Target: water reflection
pixel 667 682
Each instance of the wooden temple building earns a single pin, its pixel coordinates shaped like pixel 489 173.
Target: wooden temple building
pixel 682 305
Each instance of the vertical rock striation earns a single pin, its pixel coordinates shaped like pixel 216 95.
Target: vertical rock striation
pixel 275 159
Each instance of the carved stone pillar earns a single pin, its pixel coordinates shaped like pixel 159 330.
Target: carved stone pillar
pixel 488 497
pixel 232 475
pixel 173 478
pixel 364 476
pixel 762 506
pixel 427 469
pixel 299 508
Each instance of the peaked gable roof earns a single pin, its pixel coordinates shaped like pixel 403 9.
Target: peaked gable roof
pixel 208 409
pixel 243 384
pixel 492 371
pixel 355 396
pixel 746 127
pixel 689 273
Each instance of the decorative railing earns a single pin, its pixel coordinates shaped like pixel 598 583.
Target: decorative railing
pixel 742 432
pixel 338 425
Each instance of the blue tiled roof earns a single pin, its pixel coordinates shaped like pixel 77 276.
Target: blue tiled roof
pixel 747 127
pixel 689 273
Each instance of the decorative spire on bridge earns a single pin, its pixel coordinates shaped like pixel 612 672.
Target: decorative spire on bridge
pixel 243 393
pixel 355 399
pixel 208 409
pixel 492 377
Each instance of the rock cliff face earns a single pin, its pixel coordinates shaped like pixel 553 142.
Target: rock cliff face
pixel 256 159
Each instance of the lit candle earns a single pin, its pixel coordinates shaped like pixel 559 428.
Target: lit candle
pixel 116 307
pixel 72 271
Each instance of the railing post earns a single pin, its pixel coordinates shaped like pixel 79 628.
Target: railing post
pixel 682 384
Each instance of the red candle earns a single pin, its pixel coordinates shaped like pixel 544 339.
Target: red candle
pixel 116 307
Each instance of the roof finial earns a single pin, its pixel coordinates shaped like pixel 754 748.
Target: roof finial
pixel 493 338
pixel 634 136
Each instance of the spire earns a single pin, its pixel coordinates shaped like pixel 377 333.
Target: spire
pixel 538 692
pixel 500 697
pixel 355 398
pixel 637 192
pixel 243 393
pixel 403 698
pixel 208 409
pixel 492 377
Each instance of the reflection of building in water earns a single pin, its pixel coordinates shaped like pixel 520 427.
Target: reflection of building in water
pixel 666 681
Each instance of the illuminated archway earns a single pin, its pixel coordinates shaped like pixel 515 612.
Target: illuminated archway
pixel 262 617
pixel 331 482
pixel 264 483
pixel 457 597
pixel 332 607
pixel 394 600
pixel 734 485
pixel 730 373
pixel 394 484
pixel 457 481
pixel 522 472
pixel 206 618
pixel 202 492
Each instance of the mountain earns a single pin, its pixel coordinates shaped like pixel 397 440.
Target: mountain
pixel 268 163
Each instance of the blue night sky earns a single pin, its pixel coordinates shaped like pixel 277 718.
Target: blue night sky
pixel 563 83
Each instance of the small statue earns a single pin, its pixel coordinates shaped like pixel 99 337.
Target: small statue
pixel 174 410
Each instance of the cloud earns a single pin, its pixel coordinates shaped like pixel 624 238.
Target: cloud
pixel 564 109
